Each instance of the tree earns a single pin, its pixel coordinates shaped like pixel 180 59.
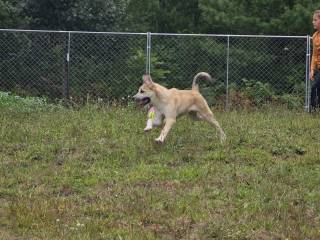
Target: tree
pixel 10 15
pixel 257 16
pixel 135 20
pixel 97 15
pixel 162 16
pixel 49 14
pixel 88 15
pixel 178 16
pixel 294 21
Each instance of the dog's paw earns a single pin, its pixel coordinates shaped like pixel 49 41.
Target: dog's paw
pixel 223 138
pixel 158 140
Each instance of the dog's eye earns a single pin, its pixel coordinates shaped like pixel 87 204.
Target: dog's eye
pixel 141 91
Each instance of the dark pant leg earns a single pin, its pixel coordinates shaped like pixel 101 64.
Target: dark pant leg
pixel 315 91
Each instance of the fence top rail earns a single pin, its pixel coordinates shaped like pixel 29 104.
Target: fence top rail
pixel 227 35
pixel 156 34
pixel 57 31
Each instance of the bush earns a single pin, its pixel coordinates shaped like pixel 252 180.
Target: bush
pixel 257 91
pixel 24 104
pixel 291 101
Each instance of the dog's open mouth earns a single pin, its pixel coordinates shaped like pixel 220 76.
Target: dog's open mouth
pixel 144 101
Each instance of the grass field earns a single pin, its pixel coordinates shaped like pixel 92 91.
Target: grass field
pixel 92 173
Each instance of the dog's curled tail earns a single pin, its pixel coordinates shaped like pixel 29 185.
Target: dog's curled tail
pixel 200 75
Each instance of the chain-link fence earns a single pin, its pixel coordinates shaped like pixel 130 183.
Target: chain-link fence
pixel 248 70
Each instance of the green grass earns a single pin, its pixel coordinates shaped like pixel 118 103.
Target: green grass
pixel 93 173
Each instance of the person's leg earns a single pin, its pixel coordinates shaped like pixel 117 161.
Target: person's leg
pixel 317 86
pixel 315 92
pixel 313 97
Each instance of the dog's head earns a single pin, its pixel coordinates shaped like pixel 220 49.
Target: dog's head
pixel 146 91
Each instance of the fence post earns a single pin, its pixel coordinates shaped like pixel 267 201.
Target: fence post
pixel 148 60
pixel 307 84
pixel 227 77
pixel 66 87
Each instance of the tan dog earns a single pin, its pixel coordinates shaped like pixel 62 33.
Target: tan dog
pixel 172 103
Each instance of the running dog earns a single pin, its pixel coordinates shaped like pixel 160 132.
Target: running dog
pixel 172 103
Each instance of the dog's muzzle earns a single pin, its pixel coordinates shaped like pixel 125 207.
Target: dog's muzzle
pixel 142 101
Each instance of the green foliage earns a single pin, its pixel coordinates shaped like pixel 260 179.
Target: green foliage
pixel 11 15
pixel 15 103
pixel 257 91
pixel 87 15
pixel 33 64
pixel 257 17
pixel 252 92
pixel 53 15
pixel 93 72
pixel 141 16
pixel 98 15
pixel 295 20
pixel 139 59
pixel 110 66
pixel 291 101
pixel 194 16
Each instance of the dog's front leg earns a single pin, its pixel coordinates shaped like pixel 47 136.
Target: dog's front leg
pixel 166 129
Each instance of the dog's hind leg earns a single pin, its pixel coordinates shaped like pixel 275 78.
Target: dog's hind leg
pixel 213 122
pixel 165 130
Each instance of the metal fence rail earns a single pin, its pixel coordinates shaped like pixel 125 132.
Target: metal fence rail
pixel 249 70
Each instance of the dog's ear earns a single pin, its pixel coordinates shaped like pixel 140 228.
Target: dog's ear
pixel 147 79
